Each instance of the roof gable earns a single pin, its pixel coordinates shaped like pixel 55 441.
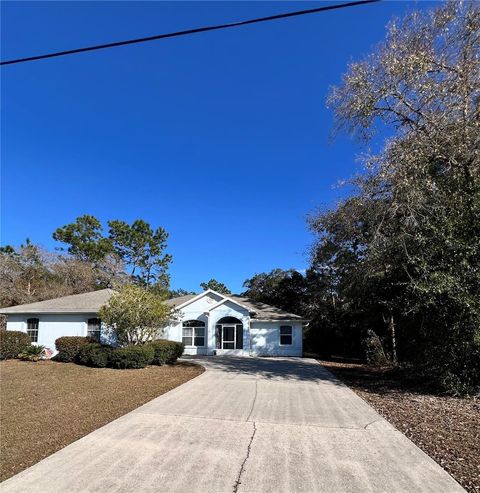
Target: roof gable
pixel 258 310
pixel 188 299
pixel 231 300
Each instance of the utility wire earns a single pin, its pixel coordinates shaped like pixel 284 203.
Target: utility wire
pixel 189 31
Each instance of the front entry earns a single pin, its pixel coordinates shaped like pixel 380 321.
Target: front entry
pixel 229 336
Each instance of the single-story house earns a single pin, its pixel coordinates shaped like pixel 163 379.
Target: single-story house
pixel 209 323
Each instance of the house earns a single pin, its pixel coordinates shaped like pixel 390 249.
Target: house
pixel 209 323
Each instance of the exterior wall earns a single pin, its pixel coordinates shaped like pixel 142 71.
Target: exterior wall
pixel 229 309
pixel 198 310
pixel 265 337
pixel 174 333
pixel 193 311
pixel 53 326
pixel 259 338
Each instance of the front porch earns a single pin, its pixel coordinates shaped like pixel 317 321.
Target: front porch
pixel 226 336
pixel 229 335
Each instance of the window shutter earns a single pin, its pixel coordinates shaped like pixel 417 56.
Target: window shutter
pixel 239 329
pixel 218 337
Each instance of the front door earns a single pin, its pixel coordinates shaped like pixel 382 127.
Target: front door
pixel 228 339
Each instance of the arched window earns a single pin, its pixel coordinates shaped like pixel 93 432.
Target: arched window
pixel 94 327
pixel 32 329
pixel 193 333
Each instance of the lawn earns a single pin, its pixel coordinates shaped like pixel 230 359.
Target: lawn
pixel 47 405
pixel 446 428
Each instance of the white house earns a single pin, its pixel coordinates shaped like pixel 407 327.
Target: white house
pixel 209 323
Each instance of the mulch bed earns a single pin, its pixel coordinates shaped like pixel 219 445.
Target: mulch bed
pixel 47 405
pixel 446 428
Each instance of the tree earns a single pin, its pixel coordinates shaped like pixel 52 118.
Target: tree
pixel 217 286
pixel 30 273
pixel 285 289
pixel 175 293
pixel 142 249
pixel 136 247
pixel 24 276
pixel 76 276
pixel 85 239
pixel 310 295
pixel 135 315
pixel 404 246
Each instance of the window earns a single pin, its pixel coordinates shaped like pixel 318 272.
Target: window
pixel 193 333
pixel 94 326
pixel 32 329
pixel 286 335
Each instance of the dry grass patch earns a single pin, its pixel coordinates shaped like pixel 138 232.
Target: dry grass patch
pixel 446 428
pixel 47 405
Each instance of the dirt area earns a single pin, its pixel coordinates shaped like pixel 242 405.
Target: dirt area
pixel 446 428
pixel 46 405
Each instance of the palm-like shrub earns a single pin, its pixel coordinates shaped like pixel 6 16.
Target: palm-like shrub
pixel 32 353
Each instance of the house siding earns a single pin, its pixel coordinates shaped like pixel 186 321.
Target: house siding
pixel 53 326
pixel 265 337
pixel 260 338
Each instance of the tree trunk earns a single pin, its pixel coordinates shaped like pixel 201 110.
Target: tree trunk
pixel 394 342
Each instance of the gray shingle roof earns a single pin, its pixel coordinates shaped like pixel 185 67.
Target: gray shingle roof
pixel 262 311
pixel 180 300
pixel 75 303
pixel 93 301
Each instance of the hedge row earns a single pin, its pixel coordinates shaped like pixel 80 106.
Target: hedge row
pixel 12 343
pixel 68 347
pixel 166 352
pixel 85 352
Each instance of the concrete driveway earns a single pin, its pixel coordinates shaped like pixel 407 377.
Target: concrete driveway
pixel 245 425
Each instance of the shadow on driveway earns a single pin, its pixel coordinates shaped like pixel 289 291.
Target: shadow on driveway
pixel 284 369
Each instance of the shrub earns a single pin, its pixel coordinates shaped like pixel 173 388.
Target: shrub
pixel 68 347
pixel 12 343
pixel 135 314
pixel 132 357
pixel 374 352
pixel 166 352
pixel 32 353
pixel 94 354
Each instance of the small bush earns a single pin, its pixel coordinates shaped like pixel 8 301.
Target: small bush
pixel 12 343
pixel 32 353
pixel 68 347
pixel 132 357
pixel 166 352
pixel 373 347
pixel 94 354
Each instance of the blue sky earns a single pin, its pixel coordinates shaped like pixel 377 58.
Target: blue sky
pixel 222 138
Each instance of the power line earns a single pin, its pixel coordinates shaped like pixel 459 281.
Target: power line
pixel 188 31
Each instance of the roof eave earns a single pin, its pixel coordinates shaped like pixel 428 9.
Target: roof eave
pixel 48 312
pixel 198 297
pixel 299 320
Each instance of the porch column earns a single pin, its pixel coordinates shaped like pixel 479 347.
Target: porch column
pixel 210 334
pixel 246 335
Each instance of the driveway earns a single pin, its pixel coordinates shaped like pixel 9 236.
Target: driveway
pixel 245 425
